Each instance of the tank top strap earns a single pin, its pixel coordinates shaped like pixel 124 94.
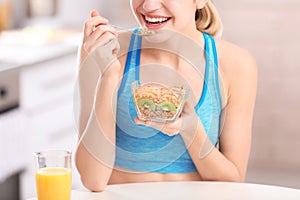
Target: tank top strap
pixel 133 58
pixel 211 78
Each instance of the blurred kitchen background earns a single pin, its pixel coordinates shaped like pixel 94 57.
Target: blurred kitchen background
pixel 38 46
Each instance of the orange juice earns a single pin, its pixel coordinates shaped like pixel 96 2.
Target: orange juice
pixel 54 183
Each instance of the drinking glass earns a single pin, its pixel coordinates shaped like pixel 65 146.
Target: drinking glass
pixel 53 174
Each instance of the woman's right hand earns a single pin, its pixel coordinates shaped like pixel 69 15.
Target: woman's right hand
pixel 100 39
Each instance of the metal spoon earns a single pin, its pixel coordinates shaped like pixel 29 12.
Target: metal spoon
pixel 140 32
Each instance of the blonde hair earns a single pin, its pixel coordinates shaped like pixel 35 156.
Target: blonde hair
pixel 208 20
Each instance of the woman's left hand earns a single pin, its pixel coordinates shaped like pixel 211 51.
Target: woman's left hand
pixel 185 123
pixel 168 128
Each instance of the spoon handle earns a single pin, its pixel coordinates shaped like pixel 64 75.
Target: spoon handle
pixel 140 32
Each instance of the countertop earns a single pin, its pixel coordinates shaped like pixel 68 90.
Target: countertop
pixel 25 47
pixel 189 190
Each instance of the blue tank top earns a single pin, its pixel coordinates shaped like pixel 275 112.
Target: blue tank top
pixel 144 149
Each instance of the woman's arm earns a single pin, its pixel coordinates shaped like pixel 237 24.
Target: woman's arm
pixel 96 149
pixel 239 72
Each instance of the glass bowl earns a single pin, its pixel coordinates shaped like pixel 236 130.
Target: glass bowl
pixel 156 102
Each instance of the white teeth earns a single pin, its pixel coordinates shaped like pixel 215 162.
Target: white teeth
pixel 156 19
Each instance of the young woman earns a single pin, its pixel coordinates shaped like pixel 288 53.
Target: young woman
pixel 209 141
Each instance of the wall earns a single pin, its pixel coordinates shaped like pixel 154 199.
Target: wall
pixel 269 30
pixel 73 13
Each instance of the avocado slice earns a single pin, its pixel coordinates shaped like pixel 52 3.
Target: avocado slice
pixel 167 106
pixel 147 103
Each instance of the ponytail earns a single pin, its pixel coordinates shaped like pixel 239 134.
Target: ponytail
pixel 208 20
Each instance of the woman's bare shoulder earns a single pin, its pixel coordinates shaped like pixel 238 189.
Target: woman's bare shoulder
pixel 237 69
pixel 235 63
pixel 234 58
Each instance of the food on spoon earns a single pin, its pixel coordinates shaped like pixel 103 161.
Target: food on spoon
pixel 145 32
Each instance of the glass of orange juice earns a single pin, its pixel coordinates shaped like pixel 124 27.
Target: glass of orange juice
pixel 53 174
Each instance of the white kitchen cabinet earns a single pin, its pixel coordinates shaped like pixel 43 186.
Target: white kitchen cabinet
pixel 46 97
pixel 47 82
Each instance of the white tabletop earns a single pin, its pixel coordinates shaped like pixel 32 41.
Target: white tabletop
pixel 189 191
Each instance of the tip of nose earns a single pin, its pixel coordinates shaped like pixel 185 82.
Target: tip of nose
pixel 150 5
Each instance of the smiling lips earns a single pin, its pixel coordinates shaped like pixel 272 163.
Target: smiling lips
pixel 155 22
pixel 156 19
